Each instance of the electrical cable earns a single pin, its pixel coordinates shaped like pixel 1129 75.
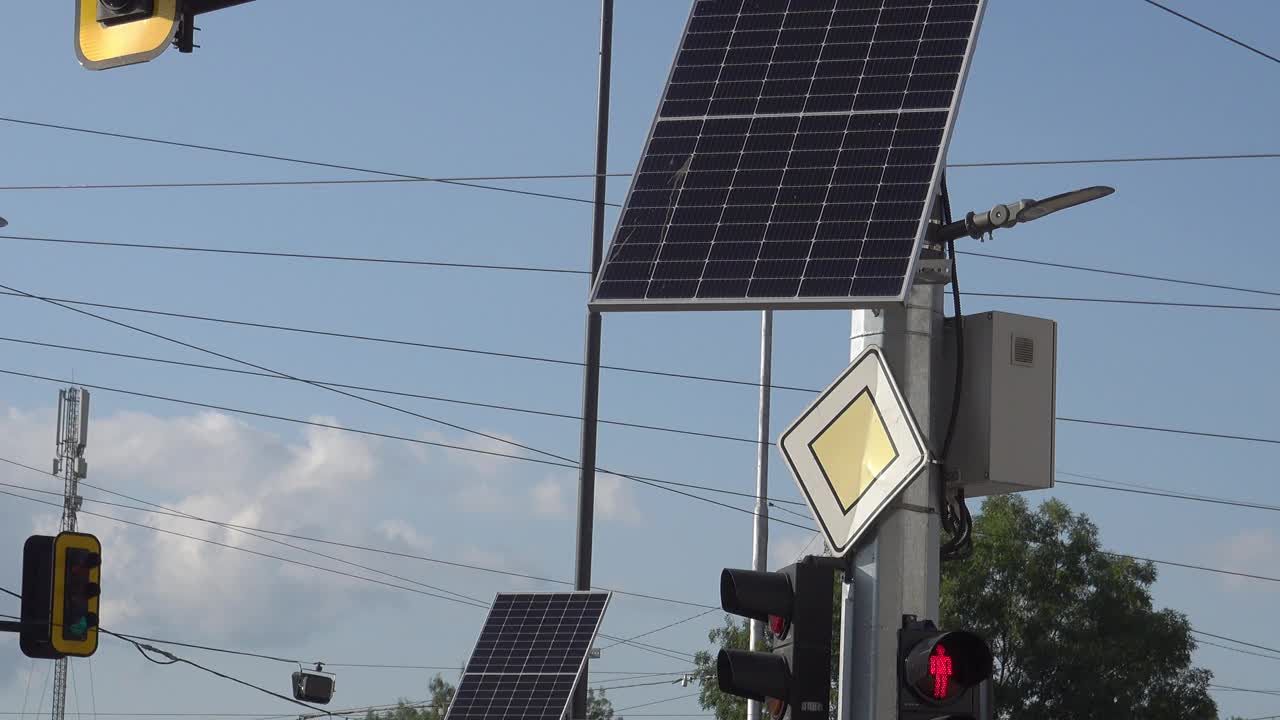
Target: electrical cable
pixel 665 627
pixel 350 546
pixel 955 546
pixel 558 361
pixel 571 271
pixel 298 256
pixel 281 158
pixel 1173 496
pixel 1118 273
pixel 384 391
pixel 1113 160
pixel 1127 301
pixel 667 485
pixel 656 702
pixel 405 343
pixel 10 592
pixel 172 659
pixel 1238 650
pixel 1220 34
pixel 1229 688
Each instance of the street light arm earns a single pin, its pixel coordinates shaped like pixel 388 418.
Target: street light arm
pixel 975 225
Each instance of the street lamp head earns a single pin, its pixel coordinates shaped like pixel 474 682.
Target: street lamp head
pixel 3 222
pixel 976 225
pixel 1036 209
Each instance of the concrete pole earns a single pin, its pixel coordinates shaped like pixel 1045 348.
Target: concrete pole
pixel 760 532
pixel 896 572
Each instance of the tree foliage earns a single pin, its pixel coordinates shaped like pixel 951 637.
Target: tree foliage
pixel 440 693
pixel 1073 629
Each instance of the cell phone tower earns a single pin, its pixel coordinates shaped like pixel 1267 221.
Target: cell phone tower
pixel 73 434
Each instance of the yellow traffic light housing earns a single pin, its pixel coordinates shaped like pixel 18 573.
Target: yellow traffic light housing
pixel 111 33
pixel 77 572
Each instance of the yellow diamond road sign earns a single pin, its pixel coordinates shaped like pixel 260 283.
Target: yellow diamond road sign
pixel 854 450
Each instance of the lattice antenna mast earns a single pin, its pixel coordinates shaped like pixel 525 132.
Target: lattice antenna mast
pixel 72 436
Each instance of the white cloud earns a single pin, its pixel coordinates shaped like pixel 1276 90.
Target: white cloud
pixel 786 549
pixel 401 532
pixel 178 580
pixel 548 497
pixel 615 500
pixel 1246 551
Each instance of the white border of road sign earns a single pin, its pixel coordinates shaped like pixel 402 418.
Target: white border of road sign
pixel 870 373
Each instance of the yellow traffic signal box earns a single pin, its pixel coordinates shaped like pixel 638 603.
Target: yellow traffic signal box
pixel 77 572
pixel 111 33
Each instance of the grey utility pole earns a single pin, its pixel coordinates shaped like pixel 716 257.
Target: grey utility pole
pixel 760 529
pixel 897 570
pixel 591 373
pixel 73 435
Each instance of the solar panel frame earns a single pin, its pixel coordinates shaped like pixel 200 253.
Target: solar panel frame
pixel 845 301
pixel 521 670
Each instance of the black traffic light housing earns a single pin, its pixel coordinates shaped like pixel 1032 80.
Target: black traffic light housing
pixel 940 673
pixel 796 602
pixel 37 598
pixel 314 686
pixel 118 12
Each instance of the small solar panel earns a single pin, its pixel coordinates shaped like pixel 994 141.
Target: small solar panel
pixel 529 655
pixel 795 156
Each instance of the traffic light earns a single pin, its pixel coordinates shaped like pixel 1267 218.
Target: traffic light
pixel 796 602
pixel 37 602
pixel 115 12
pixel 77 571
pixel 940 674
pixel 314 686
pixel 111 33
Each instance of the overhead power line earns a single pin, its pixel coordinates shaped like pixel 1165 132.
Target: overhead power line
pixel 282 158
pixel 1126 301
pixel 1118 273
pixel 419 441
pixel 333 543
pixel 378 403
pixel 402 343
pixel 467 602
pixel 245 252
pixel 298 256
pixel 146 358
pixel 1219 33
pixel 1173 495
pixel 386 391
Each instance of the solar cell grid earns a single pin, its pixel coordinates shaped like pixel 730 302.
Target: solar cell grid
pixel 528 656
pixel 794 157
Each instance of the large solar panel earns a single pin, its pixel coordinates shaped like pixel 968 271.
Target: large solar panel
pixel 795 156
pixel 528 656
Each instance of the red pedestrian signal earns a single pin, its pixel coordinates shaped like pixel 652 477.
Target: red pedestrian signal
pixel 940 672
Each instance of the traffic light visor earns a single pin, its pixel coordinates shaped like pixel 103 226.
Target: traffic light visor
pixel 755 676
pixel 756 595
pixel 122 40
pixel 946 665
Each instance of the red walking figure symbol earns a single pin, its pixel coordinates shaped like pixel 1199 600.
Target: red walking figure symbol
pixel 940 669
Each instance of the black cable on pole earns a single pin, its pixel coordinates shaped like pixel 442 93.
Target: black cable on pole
pixel 1220 34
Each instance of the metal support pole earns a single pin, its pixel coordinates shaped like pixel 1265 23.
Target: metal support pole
pixel 760 531
pixel 591 373
pixel 896 571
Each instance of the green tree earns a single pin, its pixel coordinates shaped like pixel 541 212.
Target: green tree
pixel 599 707
pixel 1072 628
pixel 439 693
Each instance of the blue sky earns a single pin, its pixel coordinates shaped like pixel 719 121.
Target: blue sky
pixel 463 89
